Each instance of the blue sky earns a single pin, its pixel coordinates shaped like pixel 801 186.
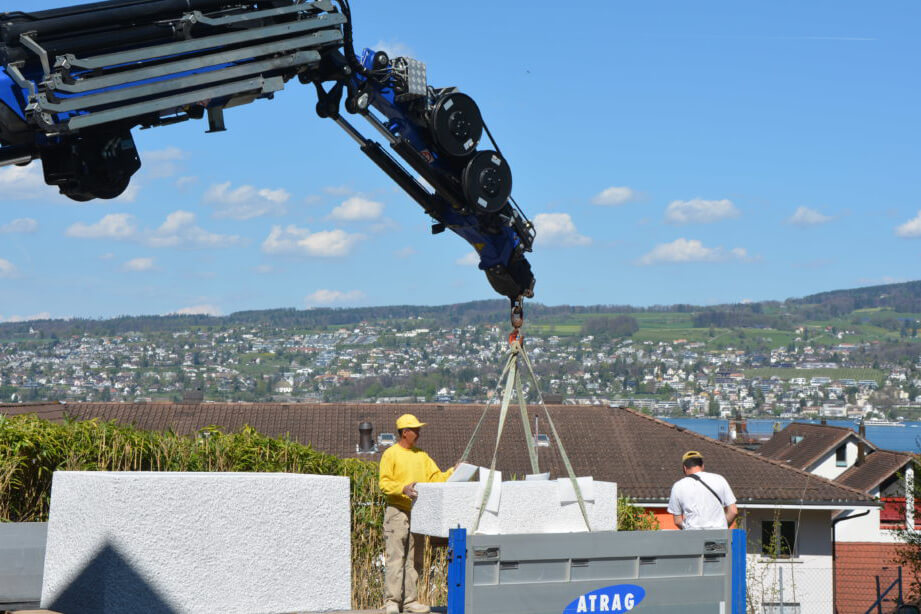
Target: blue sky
pixel 668 153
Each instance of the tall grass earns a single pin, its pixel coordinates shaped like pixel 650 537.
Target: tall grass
pixel 31 450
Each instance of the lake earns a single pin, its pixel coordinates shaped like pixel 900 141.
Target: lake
pixel 905 438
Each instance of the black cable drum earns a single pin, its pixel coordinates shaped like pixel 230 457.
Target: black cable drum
pixel 487 181
pixel 457 125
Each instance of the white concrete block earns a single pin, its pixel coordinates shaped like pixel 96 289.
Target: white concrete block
pixel 524 507
pixel 197 542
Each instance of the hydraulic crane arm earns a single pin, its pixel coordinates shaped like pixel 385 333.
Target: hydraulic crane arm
pixel 75 81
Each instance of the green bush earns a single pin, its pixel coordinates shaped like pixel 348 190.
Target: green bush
pixel 631 518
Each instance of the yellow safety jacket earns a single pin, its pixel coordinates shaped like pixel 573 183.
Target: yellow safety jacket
pixel 400 467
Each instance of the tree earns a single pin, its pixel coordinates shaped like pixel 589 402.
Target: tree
pixel 607 327
pixel 909 553
pixel 714 408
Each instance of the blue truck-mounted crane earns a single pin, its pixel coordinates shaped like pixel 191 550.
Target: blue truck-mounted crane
pixel 75 81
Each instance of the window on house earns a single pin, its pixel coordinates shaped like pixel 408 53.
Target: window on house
pixel 841 456
pixel 778 538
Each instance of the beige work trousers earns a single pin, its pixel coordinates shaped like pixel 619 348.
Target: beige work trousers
pixel 403 561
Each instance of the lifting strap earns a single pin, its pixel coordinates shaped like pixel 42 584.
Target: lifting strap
pixel 512 376
pixel 559 442
pixel 476 430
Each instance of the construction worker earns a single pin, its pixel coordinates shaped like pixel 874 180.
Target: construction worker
pixel 701 500
pixel 402 466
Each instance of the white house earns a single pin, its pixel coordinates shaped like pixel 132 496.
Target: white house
pixel 864 539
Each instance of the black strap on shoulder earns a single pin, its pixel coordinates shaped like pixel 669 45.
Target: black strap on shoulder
pixel 694 476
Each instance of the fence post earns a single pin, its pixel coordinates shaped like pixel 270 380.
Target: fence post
pixel 457 570
pixel 780 571
pixel 879 601
pixel 900 585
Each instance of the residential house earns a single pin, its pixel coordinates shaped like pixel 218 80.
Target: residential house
pixel 865 540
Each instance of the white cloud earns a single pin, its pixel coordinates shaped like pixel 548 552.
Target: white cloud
pixel 7 269
pixel 184 182
pixel 690 250
pixel 911 228
pixel 129 195
pixel 339 190
pixel 406 252
pixel 264 269
pixel 23 225
pixel 169 154
pixel 804 216
pixel 614 196
pixel 699 211
pixel 197 310
pixel 44 315
pixel 139 264
pixel 300 241
pixel 112 226
pixel 558 229
pixel 161 163
pixel 356 209
pixel 330 297
pixel 384 225
pixel 468 259
pixel 107 256
pixel 246 201
pixel 179 230
pixel 24 182
pixel 394 49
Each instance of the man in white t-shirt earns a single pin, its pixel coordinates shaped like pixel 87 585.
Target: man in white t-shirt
pixel 701 500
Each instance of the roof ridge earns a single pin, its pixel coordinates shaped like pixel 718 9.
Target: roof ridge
pixel 750 453
pixel 896 452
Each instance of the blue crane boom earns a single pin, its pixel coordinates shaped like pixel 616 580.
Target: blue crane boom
pixel 75 81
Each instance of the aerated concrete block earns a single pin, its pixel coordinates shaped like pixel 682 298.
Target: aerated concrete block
pixel 524 507
pixel 173 543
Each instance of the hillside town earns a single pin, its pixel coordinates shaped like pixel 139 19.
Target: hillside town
pixel 406 364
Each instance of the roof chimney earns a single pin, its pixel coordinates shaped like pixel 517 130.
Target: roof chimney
pixel 861 446
pixel 193 395
pixel 365 440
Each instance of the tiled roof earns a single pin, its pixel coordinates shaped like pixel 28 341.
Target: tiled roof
pixel 640 453
pixel 51 410
pixel 878 466
pixel 817 440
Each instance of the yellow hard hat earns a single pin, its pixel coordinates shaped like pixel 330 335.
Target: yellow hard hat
pixel 408 421
pixel 691 454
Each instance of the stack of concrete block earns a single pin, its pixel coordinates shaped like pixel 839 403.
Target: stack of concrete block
pixel 524 507
pixel 197 542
